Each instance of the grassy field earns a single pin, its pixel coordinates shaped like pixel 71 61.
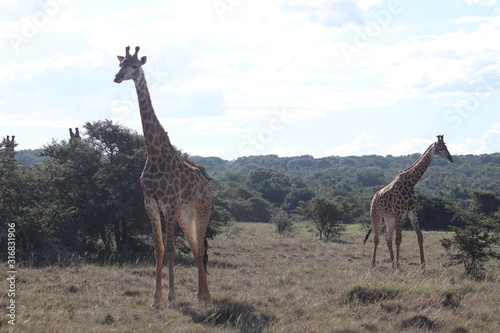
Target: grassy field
pixel 263 282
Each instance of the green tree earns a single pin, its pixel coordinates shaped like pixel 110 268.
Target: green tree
pixel 471 246
pixel 371 176
pixel 272 184
pixel 282 221
pixel 122 159
pixel 295 196
pixel 326 215
pixel 484 203
pixel 436 213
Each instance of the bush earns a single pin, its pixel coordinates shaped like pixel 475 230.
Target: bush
pixel 473 245
pixel 326 216
pixel 282 222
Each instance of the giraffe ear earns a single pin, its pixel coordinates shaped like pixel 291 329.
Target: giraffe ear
pixel 120 58
pixel 143 60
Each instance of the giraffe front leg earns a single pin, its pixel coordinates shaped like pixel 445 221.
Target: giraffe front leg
pixel 154 216
pixel 159 254
pixel 170 254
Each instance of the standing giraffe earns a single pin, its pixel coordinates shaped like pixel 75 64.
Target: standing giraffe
pixel 171 187
pixel 397 200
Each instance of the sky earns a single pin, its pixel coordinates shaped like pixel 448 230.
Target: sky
pixel 232 78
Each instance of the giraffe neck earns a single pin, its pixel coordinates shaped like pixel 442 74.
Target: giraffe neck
pixel 414 172
pixel 155 136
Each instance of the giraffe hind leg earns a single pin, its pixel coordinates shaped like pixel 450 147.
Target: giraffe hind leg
pixel 376 219
pixel 195 234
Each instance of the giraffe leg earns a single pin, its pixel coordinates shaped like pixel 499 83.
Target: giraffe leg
pixel 154 216
pixel 389 223
pixel 376 219
pixel 170 255
pixel 201 260
pixel 399 237
pixel 412 215
pixel 388 239
pixel 194 227
pixel 376 240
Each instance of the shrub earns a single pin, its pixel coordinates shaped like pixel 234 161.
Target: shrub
pixel 326 216
pixel 473 248
pixel 368 294
pixel 282 221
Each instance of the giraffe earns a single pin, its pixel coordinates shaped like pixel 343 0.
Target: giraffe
pixel 171 187
pixel 10 143
pixel 74 136
pixel 397 200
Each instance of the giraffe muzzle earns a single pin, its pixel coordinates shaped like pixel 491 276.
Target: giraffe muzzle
pixel 118 78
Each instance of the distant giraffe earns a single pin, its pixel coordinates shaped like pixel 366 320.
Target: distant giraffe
pixel 10 144
pixel 397 200
pixel 170 186
pixel 73 137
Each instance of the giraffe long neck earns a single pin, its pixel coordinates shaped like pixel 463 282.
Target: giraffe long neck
pixel 414 172
pixel 154 134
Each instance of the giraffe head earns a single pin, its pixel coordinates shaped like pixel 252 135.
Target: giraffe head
pixel 129 65
pixel 441 150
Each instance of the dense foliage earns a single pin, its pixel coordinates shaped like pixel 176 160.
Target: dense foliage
pixel 83 198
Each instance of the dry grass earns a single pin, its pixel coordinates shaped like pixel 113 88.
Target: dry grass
pixel 262 282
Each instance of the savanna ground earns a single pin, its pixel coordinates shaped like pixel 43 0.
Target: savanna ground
pixel 263 282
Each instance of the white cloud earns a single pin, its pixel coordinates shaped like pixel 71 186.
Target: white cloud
pixel 409 146
pixel 29 68
pixel 490 142
pixel 291 151
pixel 363 144
pixel 435 63
pixel 481 2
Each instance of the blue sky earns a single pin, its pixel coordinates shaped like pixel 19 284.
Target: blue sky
pixel 231 78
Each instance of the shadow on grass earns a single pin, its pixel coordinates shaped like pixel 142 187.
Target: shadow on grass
pixel 225 312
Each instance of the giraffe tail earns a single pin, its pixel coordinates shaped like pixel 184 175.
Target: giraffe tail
pixel 205 257
pixel 367 235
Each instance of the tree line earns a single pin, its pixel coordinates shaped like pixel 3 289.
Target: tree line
pixel 81 198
